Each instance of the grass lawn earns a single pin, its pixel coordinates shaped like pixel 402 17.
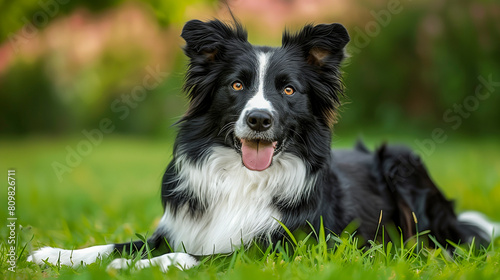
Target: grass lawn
pixel 113 193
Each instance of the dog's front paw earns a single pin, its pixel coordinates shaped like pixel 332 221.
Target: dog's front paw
pixel 119 264
pixel 164 262
pixel 48 254
pixel 180 260
pixel 58 256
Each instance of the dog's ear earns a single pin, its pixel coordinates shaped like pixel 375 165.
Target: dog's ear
pixel 206 45
pixel 321 45
pixel 206 40
pixel 322 49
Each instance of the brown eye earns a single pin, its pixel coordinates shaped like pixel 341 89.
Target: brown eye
pixel 289 91
pixel 237 86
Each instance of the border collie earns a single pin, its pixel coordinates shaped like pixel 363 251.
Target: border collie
pixel 254 149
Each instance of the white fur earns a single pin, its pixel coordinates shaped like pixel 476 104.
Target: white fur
pixel 258 101
pixel 180 260
pixel 70 257
pixel 237 201
pixel 492 229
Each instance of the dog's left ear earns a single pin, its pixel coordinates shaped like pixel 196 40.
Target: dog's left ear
pixel 207 40
pixel 321 45
pixel 206 45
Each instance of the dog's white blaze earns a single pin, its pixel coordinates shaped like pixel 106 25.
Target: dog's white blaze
pixel 258 101
pixel 490 228
pixel 70 257
pixel 238 201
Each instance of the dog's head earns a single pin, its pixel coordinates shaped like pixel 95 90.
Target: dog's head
pixel 262 101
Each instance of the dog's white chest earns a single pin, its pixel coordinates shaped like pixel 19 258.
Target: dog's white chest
pixel 238 202
pixel 222 227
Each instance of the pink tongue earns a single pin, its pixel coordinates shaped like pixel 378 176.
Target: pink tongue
pixel 257 155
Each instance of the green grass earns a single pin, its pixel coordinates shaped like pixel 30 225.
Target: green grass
pixel 98 203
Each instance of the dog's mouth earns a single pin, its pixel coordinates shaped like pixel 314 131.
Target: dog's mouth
pixel 257 154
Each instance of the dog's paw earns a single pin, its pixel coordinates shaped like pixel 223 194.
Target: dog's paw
pixel 48 254
pixel 179 260
pixel 119 264
pixel 58 256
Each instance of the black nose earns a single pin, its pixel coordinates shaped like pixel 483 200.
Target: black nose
pixel 259 120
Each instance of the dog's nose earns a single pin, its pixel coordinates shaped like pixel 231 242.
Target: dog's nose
pixel 259 120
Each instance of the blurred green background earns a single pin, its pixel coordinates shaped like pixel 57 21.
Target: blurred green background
pixel 64 63
pixel 89 91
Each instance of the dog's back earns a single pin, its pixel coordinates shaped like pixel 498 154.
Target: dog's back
pixel 391 186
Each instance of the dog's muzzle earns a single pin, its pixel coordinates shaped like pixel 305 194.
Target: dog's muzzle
pixel 257 140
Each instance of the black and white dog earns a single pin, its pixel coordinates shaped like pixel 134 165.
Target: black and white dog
pixel 254 149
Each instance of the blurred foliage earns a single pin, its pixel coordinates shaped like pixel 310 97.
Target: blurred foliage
pixel 410 70
pixel 25 89
pixel 16 14
pixel 426 60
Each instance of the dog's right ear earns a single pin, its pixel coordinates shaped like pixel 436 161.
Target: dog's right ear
pixel 322 45
pixel 207 40
pixel 322 48
pixel 206 45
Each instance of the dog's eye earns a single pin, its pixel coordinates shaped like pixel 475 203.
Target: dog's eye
pixel 289 91
pixel 237 86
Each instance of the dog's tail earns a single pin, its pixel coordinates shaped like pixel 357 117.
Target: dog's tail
pixel 479 220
